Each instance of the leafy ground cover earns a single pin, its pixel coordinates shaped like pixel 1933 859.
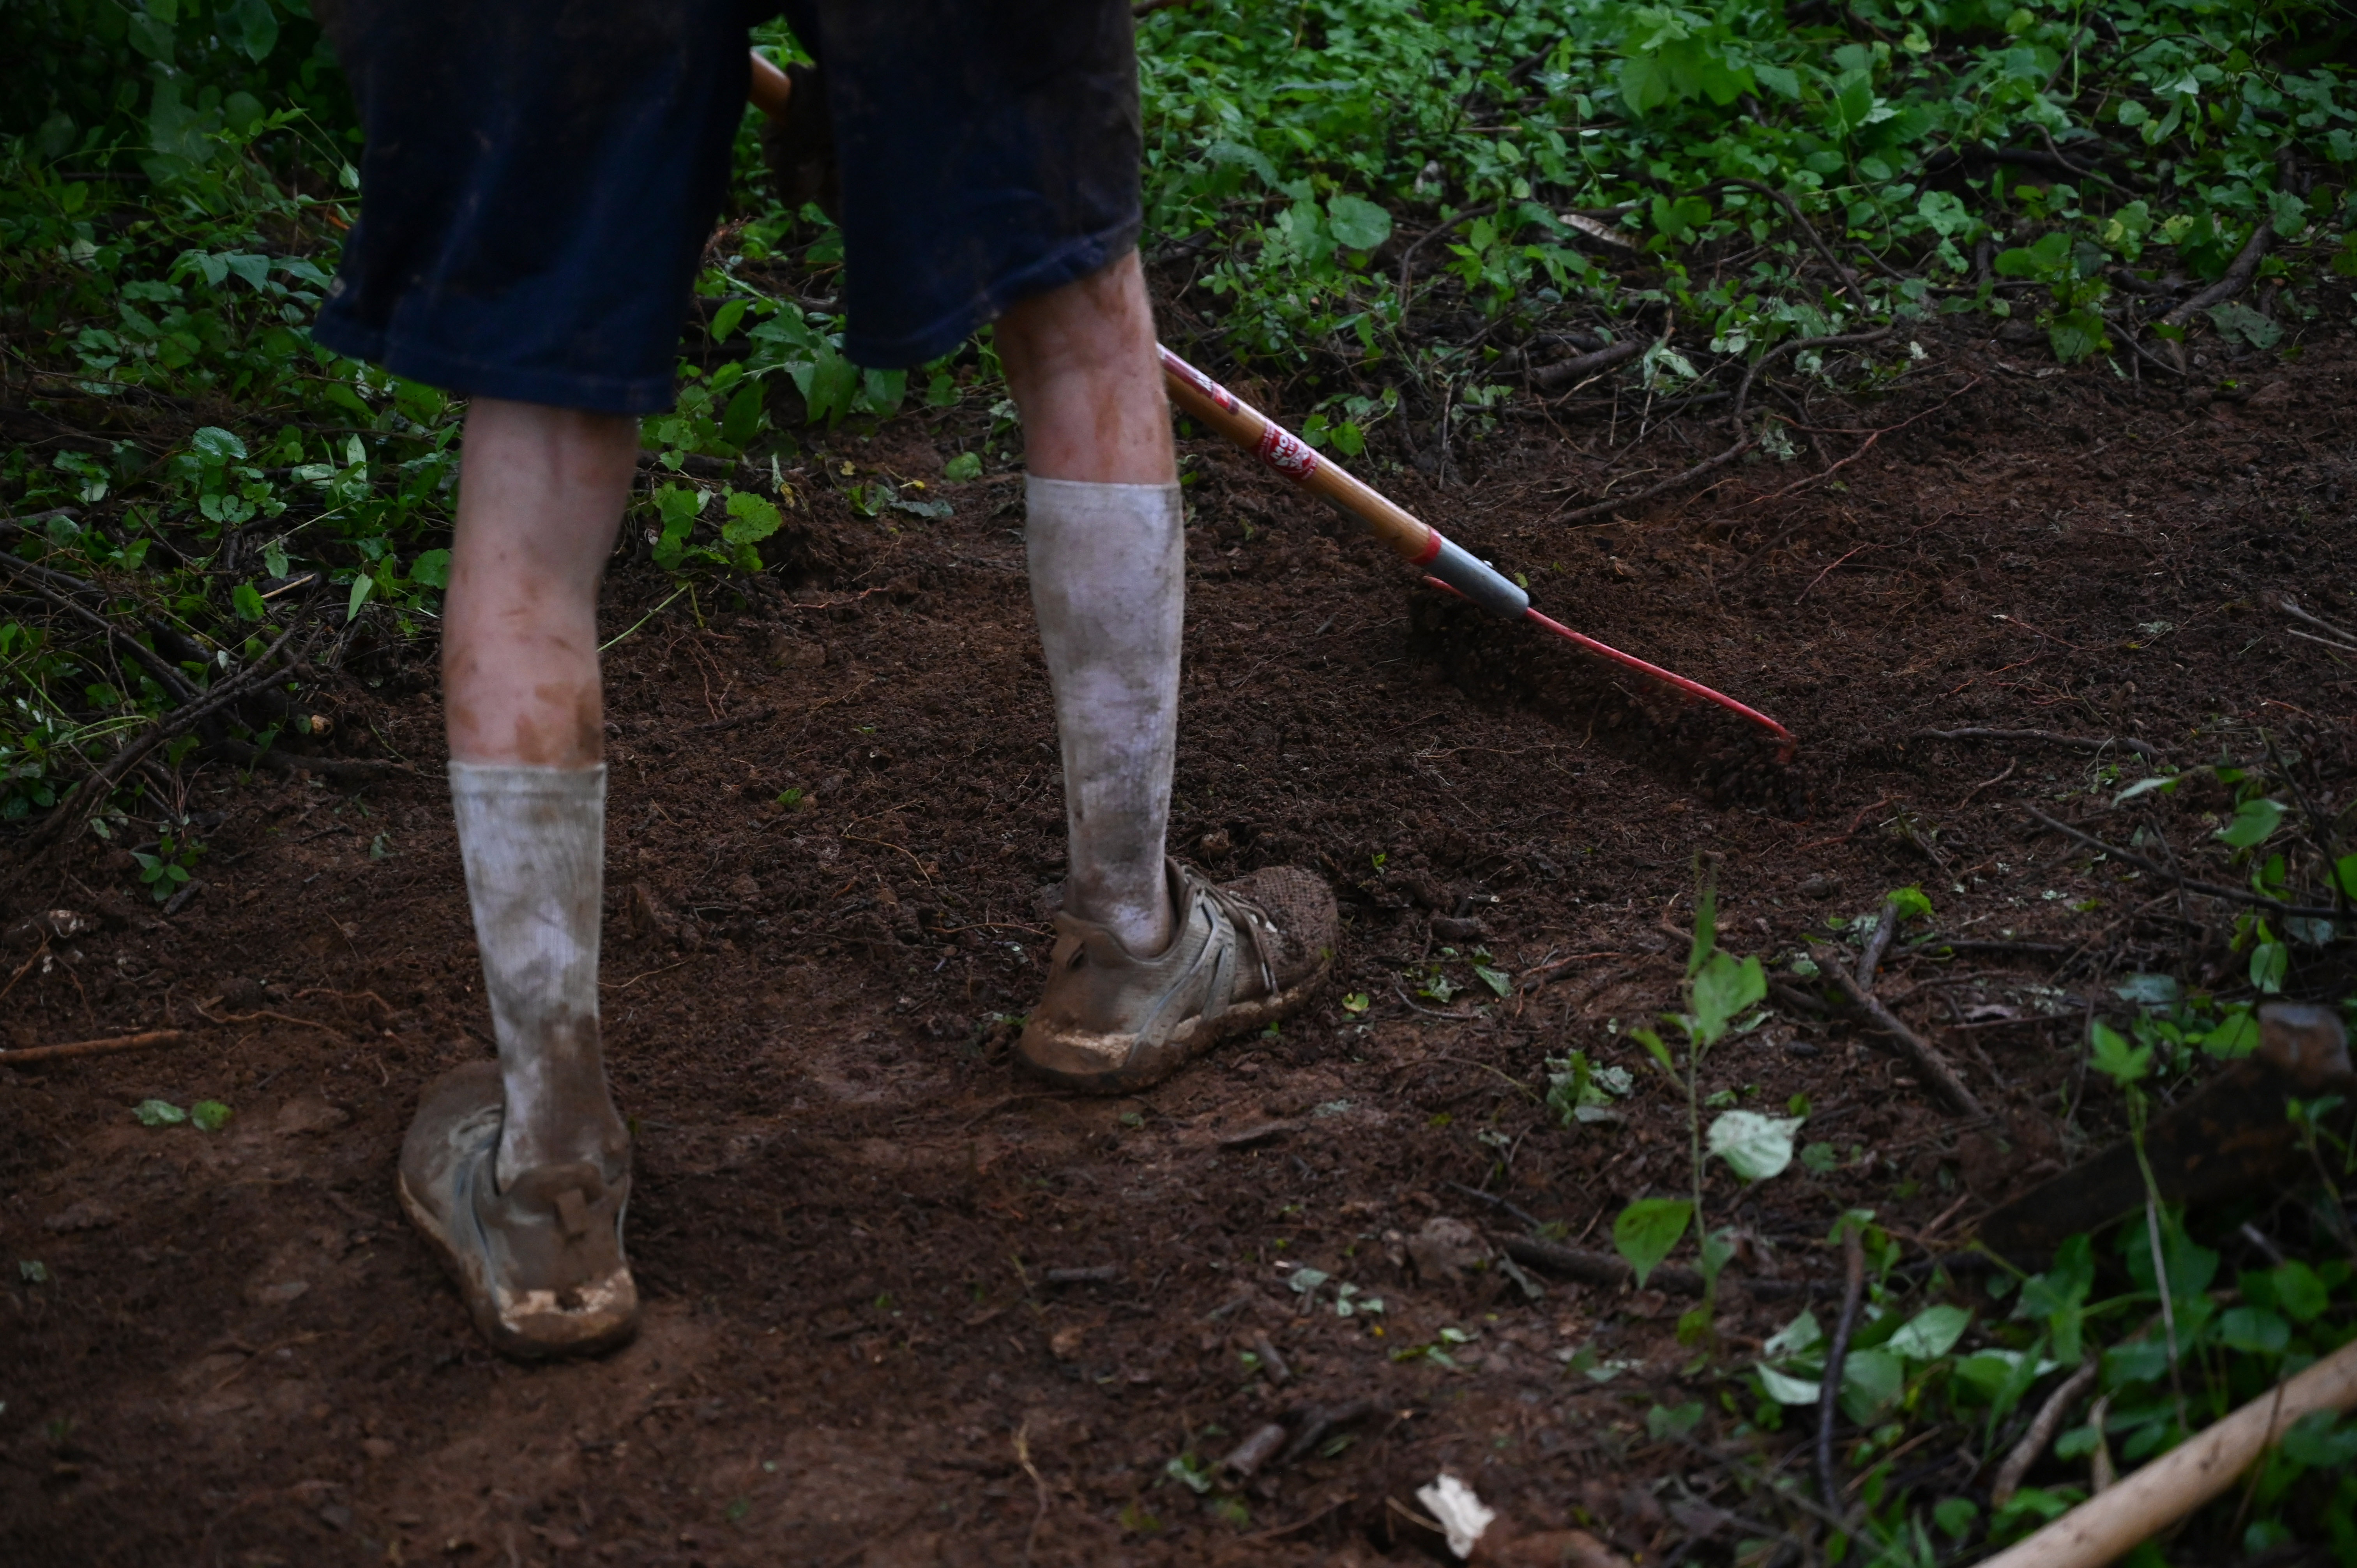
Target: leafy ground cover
pixel 1519 266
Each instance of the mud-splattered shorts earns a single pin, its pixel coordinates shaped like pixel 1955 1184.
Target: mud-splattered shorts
pixel 539 178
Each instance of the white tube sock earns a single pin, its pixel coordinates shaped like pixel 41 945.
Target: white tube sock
pixel 533 840
pixel 1108 581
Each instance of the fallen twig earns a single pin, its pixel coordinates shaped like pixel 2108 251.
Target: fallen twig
pixel 70 813
pixel 2291 607
pixel 1918 1050
pixel 2236 279
pixel 336 769
pixel 1863 448
pixel 2192 884
pixel 2042 1433
pixel 105 1048
pixel 2140 1507
pixel 1744 440
pixel 1878 944
pixel 1563 373
pixel 1836 1354
pixel 2143 749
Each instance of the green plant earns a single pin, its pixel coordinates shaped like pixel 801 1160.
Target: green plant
pixel 1720 990
pixel 167 868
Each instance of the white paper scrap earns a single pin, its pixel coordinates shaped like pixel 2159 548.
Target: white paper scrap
pixel 1457 1510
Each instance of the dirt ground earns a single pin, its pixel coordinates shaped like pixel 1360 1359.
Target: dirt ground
pixel 905 1308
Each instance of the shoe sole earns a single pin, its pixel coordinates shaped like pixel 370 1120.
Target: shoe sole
pixel 475 1290
pixel 1197 1037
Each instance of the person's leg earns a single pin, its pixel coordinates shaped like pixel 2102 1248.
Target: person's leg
pixel 540 497
pixel 1105 535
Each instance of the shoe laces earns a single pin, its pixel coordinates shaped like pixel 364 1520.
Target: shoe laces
pixel 1250 919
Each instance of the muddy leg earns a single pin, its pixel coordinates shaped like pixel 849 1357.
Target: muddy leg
pixel 539 498
pixel 1107 555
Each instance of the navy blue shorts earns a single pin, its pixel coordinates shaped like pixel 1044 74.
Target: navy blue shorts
pixel 539 178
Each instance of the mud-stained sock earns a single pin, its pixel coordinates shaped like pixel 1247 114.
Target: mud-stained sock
pixel 533 840
pixel 1108 580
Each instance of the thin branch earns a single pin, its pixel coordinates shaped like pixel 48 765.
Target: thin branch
pixel 1920 1051
pixel 2236 895
pixel 2143 749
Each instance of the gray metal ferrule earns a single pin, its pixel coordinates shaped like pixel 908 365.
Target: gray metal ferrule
pixel 1478 580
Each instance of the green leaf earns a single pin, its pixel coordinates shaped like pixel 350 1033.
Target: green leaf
pixel 1497 980
pixel 1645 82
pixel 214 445
pixel 1872 1381
pixel 210 1115
pixel 431 569
pixel 2253 1330
pixel 1654 1047
pixel 246 599
pixel 158 1114
pixel 1647 1230
pixel 2298 1293
pixel 2112 1056
pixel 2060 1295
pixel 1758 1146
pixel 1786 1389
pixel 362 586
pixel 725 319
pixel 751 518
pixel 2237 322
pixel 2270 961
pixel 1358 224
pixel 2322 1440
pixel 1672 1421
pixel 1723 991
pixel 1930 1334
pixel 2253 824
pixel 1955 1517
pixel 963 467
pixel 1911 903
pixel 2077 333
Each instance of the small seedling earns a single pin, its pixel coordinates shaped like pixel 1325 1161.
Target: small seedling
pixel 167 870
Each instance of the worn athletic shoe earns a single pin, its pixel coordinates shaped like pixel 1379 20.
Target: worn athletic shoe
pixel 1248 953
pixel 540 1265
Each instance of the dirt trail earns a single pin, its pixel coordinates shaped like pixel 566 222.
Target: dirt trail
pixel 851 1216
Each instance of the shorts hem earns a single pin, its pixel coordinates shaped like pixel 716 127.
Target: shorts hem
pixel 463 377
pixel 1067 262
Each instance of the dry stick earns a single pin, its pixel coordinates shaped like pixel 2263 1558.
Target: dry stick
pixel 167 674
pixel 1918 1050
pixel 1743 440
pixel 2290 606
pixel 1829 1387
pixel 2212 889
pixel 2157 1495
pixel 1878 944
pixel 2336 647
pixel 1815 241
pixel 2143 749
pixel 2042 1432
pixel 2237 277
pixel 1563 373
pixel 105 1048
pixel 70 813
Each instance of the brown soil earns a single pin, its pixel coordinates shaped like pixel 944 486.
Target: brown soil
pixel 850 1214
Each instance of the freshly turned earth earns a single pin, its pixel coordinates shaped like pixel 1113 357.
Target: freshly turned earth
pixel 849 1210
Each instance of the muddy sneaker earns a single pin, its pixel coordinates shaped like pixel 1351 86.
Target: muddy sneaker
pixel 1248 952
pixel 540 1265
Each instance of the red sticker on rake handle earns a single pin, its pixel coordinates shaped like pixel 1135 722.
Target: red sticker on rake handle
pixel 1285 452
pixel 1202 383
